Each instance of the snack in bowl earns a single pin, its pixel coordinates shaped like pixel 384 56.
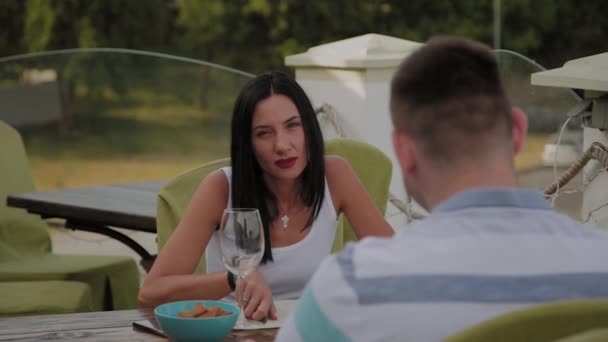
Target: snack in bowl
pixel 213 325
pixel 200 311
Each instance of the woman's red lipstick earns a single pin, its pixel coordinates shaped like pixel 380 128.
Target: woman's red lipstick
pixel 286 163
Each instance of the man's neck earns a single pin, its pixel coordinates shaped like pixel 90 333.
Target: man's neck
pixel 448 184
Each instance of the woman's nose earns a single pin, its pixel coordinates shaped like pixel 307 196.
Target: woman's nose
pixel 282 143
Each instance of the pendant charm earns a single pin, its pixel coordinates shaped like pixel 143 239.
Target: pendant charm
pixel 285 220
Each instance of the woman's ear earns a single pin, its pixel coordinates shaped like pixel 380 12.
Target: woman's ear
pixel 520 128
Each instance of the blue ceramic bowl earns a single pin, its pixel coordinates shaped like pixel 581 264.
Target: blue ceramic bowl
pixel 181 329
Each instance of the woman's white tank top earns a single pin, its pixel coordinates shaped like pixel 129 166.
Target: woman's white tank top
pixel 295 264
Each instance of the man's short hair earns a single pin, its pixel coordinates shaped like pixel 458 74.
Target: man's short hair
pixel 448 95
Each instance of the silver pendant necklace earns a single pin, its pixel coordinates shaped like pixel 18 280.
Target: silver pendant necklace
pixel 285 220
pixel 285 217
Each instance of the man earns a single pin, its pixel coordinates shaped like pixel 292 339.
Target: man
pixel 486 248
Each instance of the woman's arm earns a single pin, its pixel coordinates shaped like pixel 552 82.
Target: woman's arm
pixel 171 277
pixel 351 199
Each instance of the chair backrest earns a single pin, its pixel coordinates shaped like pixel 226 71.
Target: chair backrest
pixel 174 197
pixel 373 168
pixel 21 234
pixel 539 323
pixel 371 165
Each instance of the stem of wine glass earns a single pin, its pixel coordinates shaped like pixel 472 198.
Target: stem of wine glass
pixel 241 319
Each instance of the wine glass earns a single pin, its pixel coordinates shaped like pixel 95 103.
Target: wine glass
pixel 241 240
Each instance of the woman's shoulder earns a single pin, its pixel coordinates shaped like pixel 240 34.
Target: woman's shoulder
pixel 215 182
pixel 335 166
pixel 339 175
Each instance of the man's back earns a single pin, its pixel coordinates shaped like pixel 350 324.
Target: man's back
pixel 479 254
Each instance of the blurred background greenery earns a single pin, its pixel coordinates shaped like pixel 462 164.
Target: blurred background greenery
pixel 127 117
pixel 255 35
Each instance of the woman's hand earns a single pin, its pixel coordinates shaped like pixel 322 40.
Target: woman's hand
pixel 254 297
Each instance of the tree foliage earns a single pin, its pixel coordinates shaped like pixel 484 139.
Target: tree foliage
pixel 256 34
pixel 60 24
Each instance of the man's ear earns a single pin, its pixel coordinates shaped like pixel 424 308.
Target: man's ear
pixel 405 152
pixel 520 128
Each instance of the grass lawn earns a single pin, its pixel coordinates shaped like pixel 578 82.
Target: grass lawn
pixel 58 174
pixel 63 165
pixel 530 156
pixel 135 119
pixel 145 142
pixel 116 147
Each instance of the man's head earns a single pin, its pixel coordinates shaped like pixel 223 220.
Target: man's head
pixel 452 118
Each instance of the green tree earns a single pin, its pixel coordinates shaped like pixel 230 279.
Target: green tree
pixel 67 24
pixel 58 24
pixel 11 35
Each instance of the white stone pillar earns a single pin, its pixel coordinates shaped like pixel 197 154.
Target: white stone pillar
pixel 595 199
pixel 353 76
pixel 591 75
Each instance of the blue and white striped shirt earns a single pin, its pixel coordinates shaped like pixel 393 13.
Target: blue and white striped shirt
pixel 479 254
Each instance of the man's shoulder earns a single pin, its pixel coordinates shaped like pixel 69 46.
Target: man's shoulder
pixel 340 269
pixel 326 300
pixel 352 281
pixel 368 252
pixel 369 257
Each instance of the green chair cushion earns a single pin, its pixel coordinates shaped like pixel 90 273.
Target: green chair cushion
pixel 375 171
pixel 539 323
pixel 44 297
pixel 174 197
pixel 21 234
pixel 25 244
pixel 117 274
pixel 593 335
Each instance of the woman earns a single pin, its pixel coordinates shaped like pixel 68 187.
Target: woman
pixel 279 167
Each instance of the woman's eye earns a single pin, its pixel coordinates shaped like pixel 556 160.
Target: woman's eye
pixel 262 134
pixel 293 124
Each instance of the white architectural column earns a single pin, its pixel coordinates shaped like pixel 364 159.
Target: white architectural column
pixel 591 75
pixel 353 76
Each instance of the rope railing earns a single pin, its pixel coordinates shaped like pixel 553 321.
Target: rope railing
pixel 595 151
pixel 327 113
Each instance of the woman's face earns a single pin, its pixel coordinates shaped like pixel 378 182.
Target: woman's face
pixel 278 138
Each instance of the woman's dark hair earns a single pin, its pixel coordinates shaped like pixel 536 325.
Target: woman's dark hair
pixel 248 187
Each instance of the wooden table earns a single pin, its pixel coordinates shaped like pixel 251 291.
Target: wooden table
pixel 98 209
pixel 98 326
